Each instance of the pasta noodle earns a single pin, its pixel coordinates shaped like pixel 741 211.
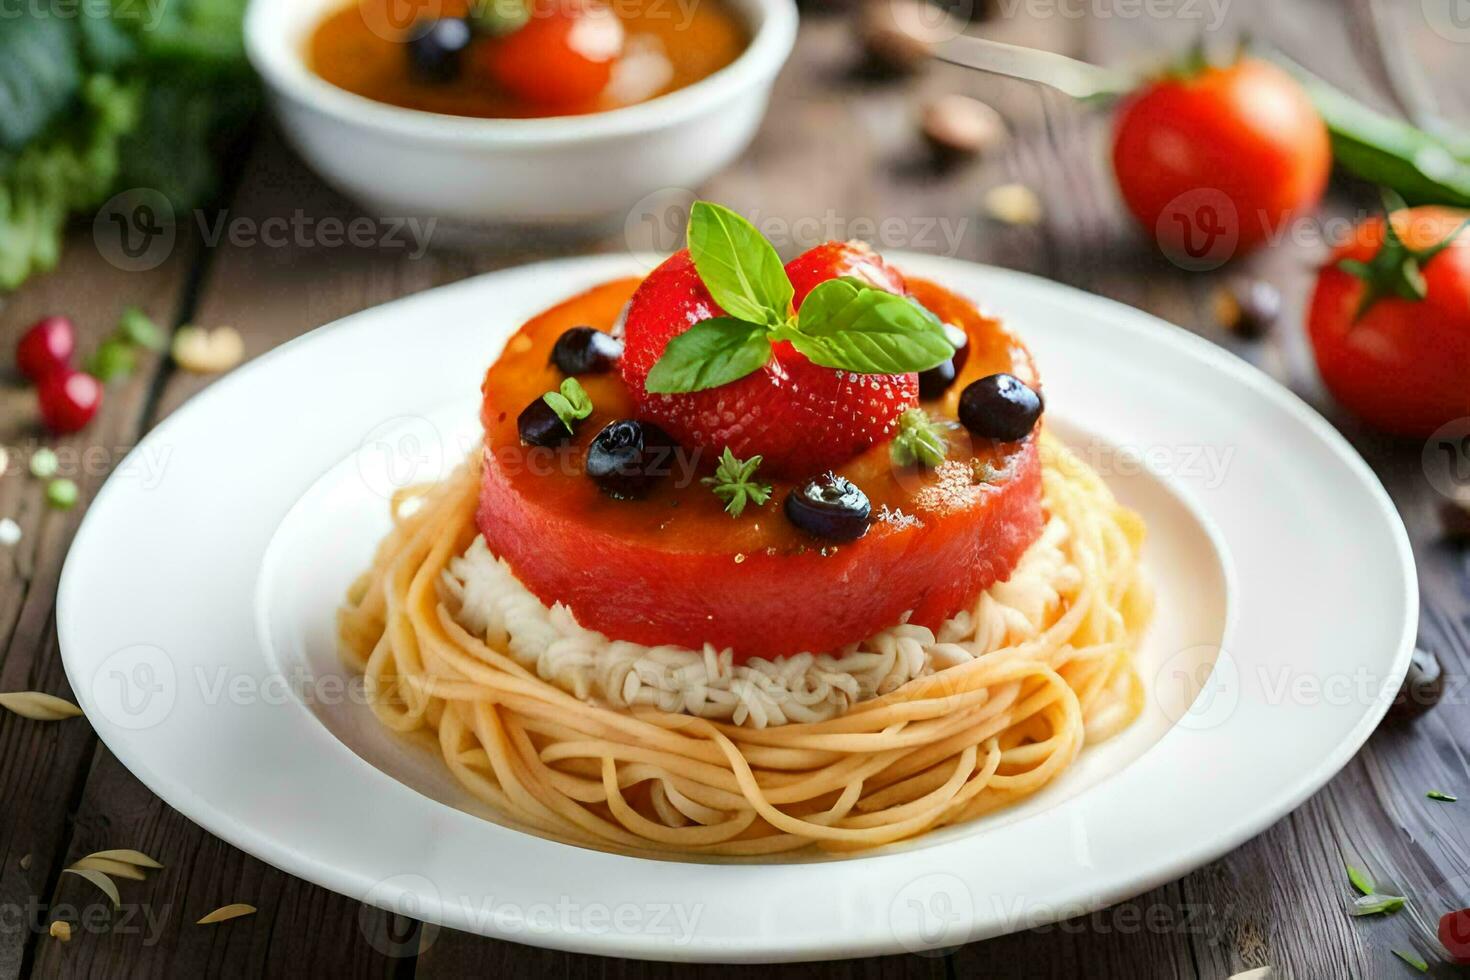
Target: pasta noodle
pixel 997 704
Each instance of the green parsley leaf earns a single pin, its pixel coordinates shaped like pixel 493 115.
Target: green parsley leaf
pixel 1412 960
pixel 738 266
pixel 571 404
pixel 134 327
pixel 734 482
pixel 1360 879
pixel 919 441
pixel 711 353
pixel 1442 797
pixel 847 325
pixel 61 494
pixel 111 360
pixel 1376 904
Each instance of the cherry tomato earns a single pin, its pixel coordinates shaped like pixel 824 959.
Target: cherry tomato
pixel 46 347
pixel 1213 164
pixel 1401 364
pixel 563 56
pixel 1454 934
pixel 68 400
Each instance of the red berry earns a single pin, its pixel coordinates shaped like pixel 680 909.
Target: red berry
pixel 1454 934
pixel 562 57
pixel 68 400
pixel 46 347
pixel 833 259
pixel 802 418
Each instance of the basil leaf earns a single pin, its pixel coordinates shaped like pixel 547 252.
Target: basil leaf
pixel 850 327
pixel 711 353
pixel 738 266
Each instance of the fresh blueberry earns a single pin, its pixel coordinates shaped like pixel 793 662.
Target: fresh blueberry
pixel 539 425
pixel 934 382
pixel 436 49
pixel 830 507
pixel 583 350
pixel 628 458
pixel 1000 406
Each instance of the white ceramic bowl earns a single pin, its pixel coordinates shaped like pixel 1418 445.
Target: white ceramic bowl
pixel 565 170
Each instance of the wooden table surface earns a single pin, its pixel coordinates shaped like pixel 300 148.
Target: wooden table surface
pixel 841 147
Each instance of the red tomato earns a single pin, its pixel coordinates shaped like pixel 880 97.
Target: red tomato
pixel 563 56
pixel 1214 164
pixel 1454 933
pixel 46 347
pixel 1403 364
pixel 68 400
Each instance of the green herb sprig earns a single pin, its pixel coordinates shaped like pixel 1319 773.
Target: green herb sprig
pixel 1414 960
pixel 1441 796
pixel 843 323
pixel 919 442
pixel 571 403
pixel 734 482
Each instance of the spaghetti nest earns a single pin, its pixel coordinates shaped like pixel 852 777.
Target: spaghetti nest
pixel 943 747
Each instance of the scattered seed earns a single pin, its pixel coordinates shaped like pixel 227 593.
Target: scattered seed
pixel 4 460
pixel 113 359
pixel 44 463
pixel 9 533
pixel 137 329
pixel 100 880
pixel 1247 308
pixel 25 863
pixel 202 351
pixel 959 126
pixel 115 869
pixel 38 707
pixel 61 494
pixel 61 930
pixel 129 856
pixel 227 913
pixel 900 35
pixel 1414 960
pixel 1014 204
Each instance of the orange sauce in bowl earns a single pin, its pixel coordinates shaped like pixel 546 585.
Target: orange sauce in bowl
pixel 670 44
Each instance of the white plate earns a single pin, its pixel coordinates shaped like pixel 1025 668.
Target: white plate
pixel 198 596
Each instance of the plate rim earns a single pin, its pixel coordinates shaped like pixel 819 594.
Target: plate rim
pixel 281 855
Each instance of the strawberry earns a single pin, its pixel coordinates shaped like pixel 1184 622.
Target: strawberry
pixel 800 417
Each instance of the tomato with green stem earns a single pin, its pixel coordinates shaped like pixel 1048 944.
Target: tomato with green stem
pixel 1390 319
pixel 1216 159
pixel 562 56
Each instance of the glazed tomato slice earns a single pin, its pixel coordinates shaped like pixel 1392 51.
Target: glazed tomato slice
pixel 1401 364
pixel 675 568
pixel 1212 164
pixel 563 56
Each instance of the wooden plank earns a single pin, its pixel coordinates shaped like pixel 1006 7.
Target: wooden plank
pixel 38 781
